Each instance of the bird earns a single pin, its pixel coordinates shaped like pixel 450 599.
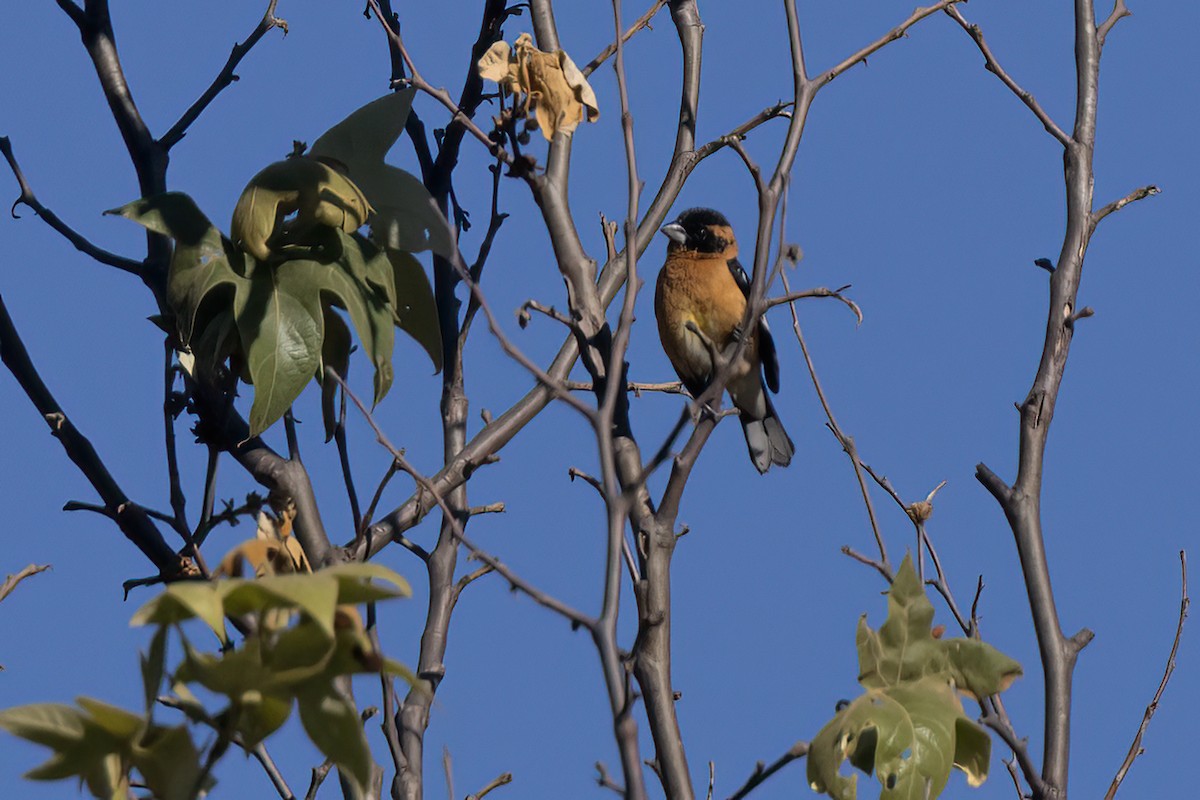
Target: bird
pixel 702 293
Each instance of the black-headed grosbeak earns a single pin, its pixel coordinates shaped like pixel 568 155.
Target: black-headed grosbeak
pixel 703 283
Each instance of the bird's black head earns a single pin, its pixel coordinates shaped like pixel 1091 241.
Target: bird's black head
pixel 701 229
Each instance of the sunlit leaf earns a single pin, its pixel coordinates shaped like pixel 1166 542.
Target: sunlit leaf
pixel 169 763
pixel 152 662
pixel 118 722
pixel 262 713
pixel 51 724
pixel 315 594
pixel 354 582
pixel 184 600
pixel 232 673
pixel 909 729
pixel 368 133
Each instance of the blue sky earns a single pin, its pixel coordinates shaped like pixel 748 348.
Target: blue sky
pixel 920 180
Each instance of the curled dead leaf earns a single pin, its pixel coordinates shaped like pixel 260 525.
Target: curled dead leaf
pixel 314 191
pixel 553 87
pixel 273 551
pixel 920 511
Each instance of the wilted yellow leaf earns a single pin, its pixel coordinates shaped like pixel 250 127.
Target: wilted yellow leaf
pixel 273 551
pixel 554 88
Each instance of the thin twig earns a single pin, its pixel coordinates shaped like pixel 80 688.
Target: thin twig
pixel 1117 205
pixel 343 448
pixel 993 66
pixel 761 772
pixel 845 440
pixel 1119 11
pixel 224 78
pixel 605 781
pixel 81 242
pixel 642 22
pixel 502 779
pixel 441 95
pixel 1135 749
pixel 899 32
pixel 11 581
pixel 577 618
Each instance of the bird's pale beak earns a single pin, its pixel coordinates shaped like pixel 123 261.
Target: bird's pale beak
pixel 675 232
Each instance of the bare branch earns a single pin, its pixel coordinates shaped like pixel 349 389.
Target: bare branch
pixel 224 78
pixel 1119 11
pixel 441 95
pixel 879 567
pixel 762 772
pixel 502 779
pixel 845 440
pixel 130 517
pixel 993 66
pixel 1135 749
pixel 11 581
pixel 642 22
pixel 1117 205
pixel 899 32
pixel 577 618
pixel 80 242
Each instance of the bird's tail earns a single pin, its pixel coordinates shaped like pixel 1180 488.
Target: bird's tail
pixel 767 440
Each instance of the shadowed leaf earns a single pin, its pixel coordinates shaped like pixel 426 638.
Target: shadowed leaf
pixel 406 217
pixel 333 724
pixel 415 307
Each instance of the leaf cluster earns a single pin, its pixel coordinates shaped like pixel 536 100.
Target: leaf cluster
pixel 304 634
pixel 265 301
pixel 908 727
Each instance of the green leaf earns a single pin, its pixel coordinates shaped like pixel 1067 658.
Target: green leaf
pixel 354 582
pixel 169 763
pixel 369 132
pixel 108 778
pixel 314 594
pixel 232 673
pixel 152 663
pixel 972 750
pixel 299 654
pixel 202 261
pixel 116 721
pixel 184 600
pixel 318 194
pixel 281 325
pixel 335 352
pixel 54 725
pixel 414 305
pixel 909 728
pixel 260 714
pixel 905 734
pixel 979 669
pixel 370 315
pixel 406 217
pixel 333 724
pixel 172 214
pixel 81 746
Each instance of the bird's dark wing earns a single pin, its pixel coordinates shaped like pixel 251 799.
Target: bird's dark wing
pixel 739 275
pixel 767 353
